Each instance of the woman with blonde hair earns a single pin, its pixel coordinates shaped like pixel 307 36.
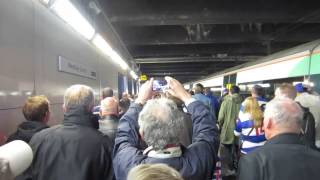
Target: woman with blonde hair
pixel 154 172
pixel 249 126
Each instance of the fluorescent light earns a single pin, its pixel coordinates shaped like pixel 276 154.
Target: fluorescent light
pixel 117 59
pixel 73 17
pixel 15 93
pixel 102 45
pixel 2 93
pixel 133 74
pixel 105 48
pixel 28 93
pixel 45 1
pixel 216 89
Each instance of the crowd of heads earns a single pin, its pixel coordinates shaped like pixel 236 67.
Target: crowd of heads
pixel 161 119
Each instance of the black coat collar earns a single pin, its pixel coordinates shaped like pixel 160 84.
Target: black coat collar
pixel 79 115
pixel 285 138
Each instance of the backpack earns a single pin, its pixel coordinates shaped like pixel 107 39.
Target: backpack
pixel 308 131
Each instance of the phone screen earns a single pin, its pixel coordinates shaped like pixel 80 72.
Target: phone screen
pixel 159 85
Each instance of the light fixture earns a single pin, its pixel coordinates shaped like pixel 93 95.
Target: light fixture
pixel 105 48
pixel 15 93
pixel 73 17
pixel 45 1
pixel 117 59
pixel 133 75
pixel 102 45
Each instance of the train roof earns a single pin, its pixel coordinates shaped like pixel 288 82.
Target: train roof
pixel 310 46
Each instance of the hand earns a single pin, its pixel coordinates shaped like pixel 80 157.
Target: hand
pixel 176 89
pixel 145 92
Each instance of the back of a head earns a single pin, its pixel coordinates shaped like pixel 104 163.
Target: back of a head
pixel 124 104
pixel 107 92
pixel 285 113
pixel 235 89
pixel 286 90
pixel 198 88
pixel 79 96
pixel 35 108
pixel 252 107
pixel 257 90
pixel 161 122
pixel 109 106
pixel 154 172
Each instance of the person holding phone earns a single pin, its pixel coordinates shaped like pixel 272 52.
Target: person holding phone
pixel 158 122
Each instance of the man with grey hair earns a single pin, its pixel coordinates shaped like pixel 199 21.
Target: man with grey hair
pixel 159 124
pixel 308 128
pixel 74 149
pixel 283 156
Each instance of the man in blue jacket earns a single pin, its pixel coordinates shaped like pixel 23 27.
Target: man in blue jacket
pixel 159 124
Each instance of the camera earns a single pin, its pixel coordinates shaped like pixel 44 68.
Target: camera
pixel 159 85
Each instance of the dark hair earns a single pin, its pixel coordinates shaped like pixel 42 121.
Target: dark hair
pixel 235 89
pixel 258 90
pixel 124 103
pixel 35 108
pixel 107 92
pixel 199 88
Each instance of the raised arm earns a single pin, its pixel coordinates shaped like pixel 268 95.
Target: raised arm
pixel 126 153
pixel 204 124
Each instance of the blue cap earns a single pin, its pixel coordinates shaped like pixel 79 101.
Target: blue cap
pixel 299 87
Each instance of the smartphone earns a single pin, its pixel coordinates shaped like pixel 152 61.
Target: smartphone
pixel 159 85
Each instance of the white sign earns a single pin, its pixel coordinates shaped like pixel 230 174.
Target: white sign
pixel 68 66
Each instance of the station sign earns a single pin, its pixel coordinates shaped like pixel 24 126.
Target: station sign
pixel 68 66
pixel 143 77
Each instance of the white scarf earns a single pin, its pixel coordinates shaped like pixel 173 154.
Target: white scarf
pixel 170 152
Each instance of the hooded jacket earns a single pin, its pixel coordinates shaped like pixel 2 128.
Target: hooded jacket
pixel 74 150
pixel 26 130
pixel 228 115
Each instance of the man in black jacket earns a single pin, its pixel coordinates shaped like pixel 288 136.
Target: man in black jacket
pixel 74 150
pixel 283 156
pixel 36 112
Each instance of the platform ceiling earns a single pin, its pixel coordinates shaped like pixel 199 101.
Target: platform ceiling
pixel 190 39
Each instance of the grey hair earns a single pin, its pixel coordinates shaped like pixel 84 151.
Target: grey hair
pixel 161 123
pixel 79 95
pixel 284 112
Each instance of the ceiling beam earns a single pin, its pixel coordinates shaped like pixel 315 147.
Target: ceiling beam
pixel 177 73
pixel 179 36
pixel 194 59
pixel 244 49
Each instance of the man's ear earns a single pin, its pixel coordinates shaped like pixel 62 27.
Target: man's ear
pixel 46 117
pixel 141 132
pixel 270 123
pixel 64 108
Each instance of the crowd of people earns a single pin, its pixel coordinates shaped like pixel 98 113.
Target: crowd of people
pixel 174 135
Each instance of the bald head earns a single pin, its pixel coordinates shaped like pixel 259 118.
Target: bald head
pixel 286 90
pixel 79 96
pixel 109 106
pixel 282 115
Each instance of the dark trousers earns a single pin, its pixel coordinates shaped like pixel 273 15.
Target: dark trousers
pixel 227 157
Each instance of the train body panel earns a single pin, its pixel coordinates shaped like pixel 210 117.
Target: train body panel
pixel 298 62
